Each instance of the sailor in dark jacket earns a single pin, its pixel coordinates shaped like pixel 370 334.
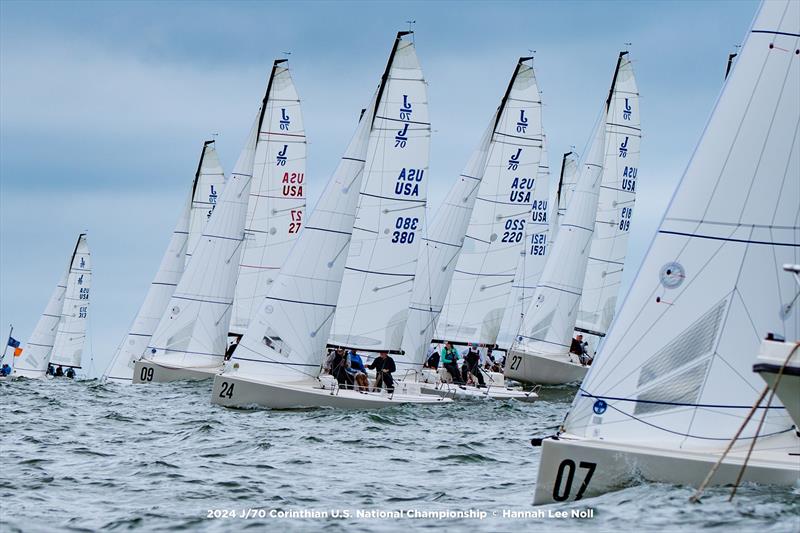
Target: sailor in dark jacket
pixel 472 365
pixel 384 366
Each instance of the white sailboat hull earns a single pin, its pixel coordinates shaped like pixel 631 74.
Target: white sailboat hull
pixel 615 465
pixel 231 391
pixel 543 369
pixel 433 383
pixel 768 364
pixel 163 373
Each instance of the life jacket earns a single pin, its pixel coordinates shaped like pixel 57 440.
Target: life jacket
pixel 449 356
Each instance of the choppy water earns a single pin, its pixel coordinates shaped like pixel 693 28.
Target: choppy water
pixel 84 456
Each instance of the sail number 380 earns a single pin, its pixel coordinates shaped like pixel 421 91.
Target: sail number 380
pixel 405 230
pixel 565 475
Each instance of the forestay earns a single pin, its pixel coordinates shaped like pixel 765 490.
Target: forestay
pixel 532 257
pixel 615 204
pixel 439 253
pixel 193 331
pixel 277 195
pixel 376 288
pixel 71 335
pixel 549 321
pixel 208 183
pixel 36 355
pixel 676 368
pixel 508 191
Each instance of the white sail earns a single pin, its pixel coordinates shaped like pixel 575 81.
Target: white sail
pixel 486 265
pixel 287 336
pixel 209 181
pixel 532 257
pixel 36 355
pixel 548 323
pixel 155 302
pixel 439 253
pixel 390 219
pixel 676 368
pixel 193 330
pixel 71 335
pixel 277 196
pixel 615 206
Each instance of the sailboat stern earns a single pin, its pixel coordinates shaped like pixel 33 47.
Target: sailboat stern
pixel 542 368
pixel 146 371
pixel 573 468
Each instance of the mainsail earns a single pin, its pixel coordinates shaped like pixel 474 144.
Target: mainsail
pixel 208 183
pixel 193 330
pixel 532 257
pixel 71 335
pixel 675 369
pixel 439 253
pixel 277 201
pixel 566 184
pixel 287 337
pixel 549 321
pixel 615 205
pixel 36 355
pixel 507 192
pixel 390 219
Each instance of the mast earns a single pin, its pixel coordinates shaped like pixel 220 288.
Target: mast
pixel 5 348
pixel 561 177
pixel 275 65
pixel 730 64
pixel 614 79
pixel 504 100
pixel 200 166
pixel 385 76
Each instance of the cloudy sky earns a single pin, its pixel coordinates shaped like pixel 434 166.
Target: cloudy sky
pixel 104 107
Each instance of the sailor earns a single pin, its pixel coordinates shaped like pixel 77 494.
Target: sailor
pixel 472 365
pixel 356 370
pixel 578 347
pixel 433 360
pixel 5 370
pixel 70 373
pixel 450 362
pixel 59 372
pixel 339 368
pixel 384 366
pixel 232 348
pixel 50 370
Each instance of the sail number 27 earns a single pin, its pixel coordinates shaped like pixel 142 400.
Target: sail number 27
pixel 565 475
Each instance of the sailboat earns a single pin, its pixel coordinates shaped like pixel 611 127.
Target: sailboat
pixel 190 339
pixel 278 361
pixel 541 351
pixel 509 198
pixel 277 201
pixel 483 216
pixel 60 333
pixel 208 183
pixel 673 381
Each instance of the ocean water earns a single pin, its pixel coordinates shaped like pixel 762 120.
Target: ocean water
pixel 84 456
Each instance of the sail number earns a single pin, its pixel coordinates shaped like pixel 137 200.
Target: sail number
pixel 514 227
pixel 297 220
pixel 538 244
pixel 146 374
pixel 625 218
pixel 405 227
pixel 227 390
pixel 515 362
pixel 565 475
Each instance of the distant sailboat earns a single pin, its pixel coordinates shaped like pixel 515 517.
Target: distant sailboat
pixel 209 180
pixel 541 352
pixel 277 201
pixel 673 381
pixel 278 362
pixel 60 333
pixel 190 339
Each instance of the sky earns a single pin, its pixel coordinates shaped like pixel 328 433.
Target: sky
pixel 104 107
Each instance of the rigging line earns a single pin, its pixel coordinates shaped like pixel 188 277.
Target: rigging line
pixel 376 289
pixel 387 211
